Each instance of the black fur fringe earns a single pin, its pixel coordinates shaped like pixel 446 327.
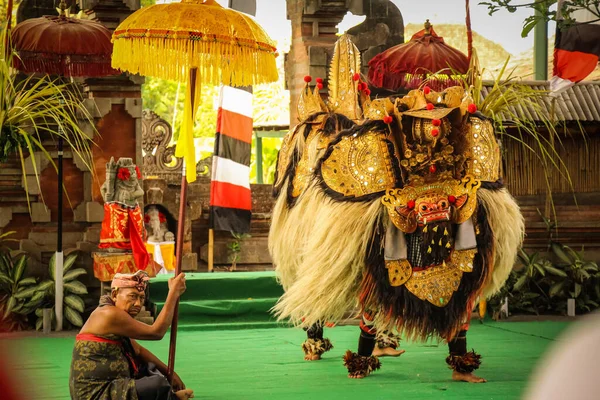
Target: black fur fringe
pixel 499 184
pixel 466 363
pixel 362 365
pixel 420 319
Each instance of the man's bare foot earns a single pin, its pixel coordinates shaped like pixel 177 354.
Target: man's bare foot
pixel 185 394
pixel 387 352
pixel 466 377
pixel 312 357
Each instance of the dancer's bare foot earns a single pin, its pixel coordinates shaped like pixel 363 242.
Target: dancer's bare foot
pixel 467 377
pixel 185 394
pixel 387 352
pixel 312 357
pixel 357 375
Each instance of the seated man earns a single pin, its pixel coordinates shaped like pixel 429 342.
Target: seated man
pixel 108 364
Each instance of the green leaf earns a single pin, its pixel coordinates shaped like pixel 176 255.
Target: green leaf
pixel 540 268
pixel 28 281
pixel 556 289
pixel 39 324
pixel 590 266
pixel 73 317
pixel 75 302
pixel 6 279
pixel 29 292
pixel 10 304
pixel 561 254
pixel 20 268
pixel 577 290
pixel 38 296
pixel 45 285
pixel 69 261
pixel 52 266
pixel 71 275
pixel 39 312
pixel 555 271
pixel 75 287
pixel 520 282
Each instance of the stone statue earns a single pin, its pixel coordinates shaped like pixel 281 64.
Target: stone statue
pixel 156 226
pixel 123 223
pixel 122 182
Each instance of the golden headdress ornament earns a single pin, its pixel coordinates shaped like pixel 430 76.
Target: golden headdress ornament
pixel 344 76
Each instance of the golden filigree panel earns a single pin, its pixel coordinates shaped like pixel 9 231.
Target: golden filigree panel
pixel 359 165
pixel 484 163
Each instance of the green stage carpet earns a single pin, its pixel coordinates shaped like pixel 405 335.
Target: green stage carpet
pixel 223 300
pixel 267 364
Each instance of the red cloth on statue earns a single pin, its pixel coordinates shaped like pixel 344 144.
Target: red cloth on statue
pixel 123 228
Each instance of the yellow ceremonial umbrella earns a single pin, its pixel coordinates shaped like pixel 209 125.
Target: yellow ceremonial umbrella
pixel 198 42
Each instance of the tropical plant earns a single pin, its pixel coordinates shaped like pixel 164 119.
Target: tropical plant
pixel 544 11
pixel 235 248
pixel 579 281
pixel 73 304
pixel 34 109
pixel 18 297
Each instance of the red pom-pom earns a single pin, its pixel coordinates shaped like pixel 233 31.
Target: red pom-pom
pixel 436 122
pixel 426 90
pixel 146 219
pixel 451 199
pixel 319 80
pixel 435 132
pixel 472 108
pixel 362 86
pixel 138 172
pixel 430 106
pixel 410 204
pixel 388 119
pixel 319 85
pixel 307 78
pixel 368 92
pixel 162 218
pixel 433 169
pixel 356 76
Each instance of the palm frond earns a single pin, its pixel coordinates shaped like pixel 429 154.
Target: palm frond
pixel 36 108
pixel 517 107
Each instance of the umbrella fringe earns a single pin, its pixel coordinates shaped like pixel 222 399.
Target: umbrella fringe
pixel 51 67
pixel 218 62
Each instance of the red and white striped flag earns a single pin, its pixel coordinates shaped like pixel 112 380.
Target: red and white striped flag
pixel 576 50
pixel 230 197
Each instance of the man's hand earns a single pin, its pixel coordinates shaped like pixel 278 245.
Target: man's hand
pixel 176 383
pixel 177 284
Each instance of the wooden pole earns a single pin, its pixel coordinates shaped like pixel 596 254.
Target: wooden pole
pixel 180 238
pixel 469 31
pixel 211 249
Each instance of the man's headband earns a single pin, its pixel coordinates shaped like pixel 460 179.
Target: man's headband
pixel 139 280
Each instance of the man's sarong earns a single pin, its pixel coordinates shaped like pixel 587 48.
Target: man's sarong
pixel 105 368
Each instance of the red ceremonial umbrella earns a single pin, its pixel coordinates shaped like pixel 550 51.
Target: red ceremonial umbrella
pixel 425 56
pixel 68 47
pixel 61 45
